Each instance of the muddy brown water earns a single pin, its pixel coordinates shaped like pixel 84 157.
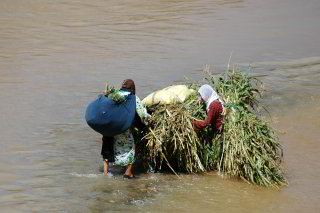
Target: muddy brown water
pixel 55 57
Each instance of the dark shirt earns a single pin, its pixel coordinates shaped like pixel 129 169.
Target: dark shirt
pixel 215 117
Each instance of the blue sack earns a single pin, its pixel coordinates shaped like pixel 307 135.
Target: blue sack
pixel 110 118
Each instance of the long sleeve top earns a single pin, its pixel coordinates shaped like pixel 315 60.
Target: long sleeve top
pixel 141 110
pixel 214 118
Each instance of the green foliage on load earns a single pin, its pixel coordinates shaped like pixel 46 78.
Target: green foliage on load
pixel 251 148
pixel 248 148
pixel 114 94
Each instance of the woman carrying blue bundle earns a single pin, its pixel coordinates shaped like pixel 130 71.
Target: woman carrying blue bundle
pixel 120 149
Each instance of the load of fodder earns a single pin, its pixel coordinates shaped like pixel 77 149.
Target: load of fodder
pixel 172 137
pixel 248 148
pixel 251 149
pixel 114 94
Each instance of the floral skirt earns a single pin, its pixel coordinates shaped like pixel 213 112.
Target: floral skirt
pixel 124 149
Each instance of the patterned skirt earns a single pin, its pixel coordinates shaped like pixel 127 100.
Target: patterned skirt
pixel 124 149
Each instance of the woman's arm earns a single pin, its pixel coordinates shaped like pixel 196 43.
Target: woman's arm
pixel 141 110
pixel 200 124
pixel 213 115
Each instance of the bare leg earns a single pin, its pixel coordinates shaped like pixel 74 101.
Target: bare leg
pixel 105 167
pixel 128 172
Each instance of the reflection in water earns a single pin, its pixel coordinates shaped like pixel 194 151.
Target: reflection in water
pixel 55 57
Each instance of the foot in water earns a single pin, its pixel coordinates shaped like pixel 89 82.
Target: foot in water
pixel 128 177
pixel 128 174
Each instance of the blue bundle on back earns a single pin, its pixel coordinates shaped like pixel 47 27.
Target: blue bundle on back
pixel 110 118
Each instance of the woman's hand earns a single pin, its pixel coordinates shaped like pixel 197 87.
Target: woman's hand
pixel 148 120
pixel 194 126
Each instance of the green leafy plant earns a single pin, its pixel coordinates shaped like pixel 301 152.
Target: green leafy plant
pixel 248 148
pixel 114 94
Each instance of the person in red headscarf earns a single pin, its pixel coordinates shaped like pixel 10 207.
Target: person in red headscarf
pixel 214 108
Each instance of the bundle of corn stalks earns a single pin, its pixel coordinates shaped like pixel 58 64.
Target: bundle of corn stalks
pixel 173 137
pixel 247 148
pixel 251 149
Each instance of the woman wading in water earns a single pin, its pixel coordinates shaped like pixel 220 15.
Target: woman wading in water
pixel 120 149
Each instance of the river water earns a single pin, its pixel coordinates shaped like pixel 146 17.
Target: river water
pixel 55 57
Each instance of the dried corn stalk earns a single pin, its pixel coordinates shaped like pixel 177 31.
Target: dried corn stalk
pixel 250 150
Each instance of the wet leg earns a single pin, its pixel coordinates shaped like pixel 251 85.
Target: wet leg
pixel 105 167
pixel 128 173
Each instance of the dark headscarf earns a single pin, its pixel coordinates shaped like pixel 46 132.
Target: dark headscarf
pixel 128 85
